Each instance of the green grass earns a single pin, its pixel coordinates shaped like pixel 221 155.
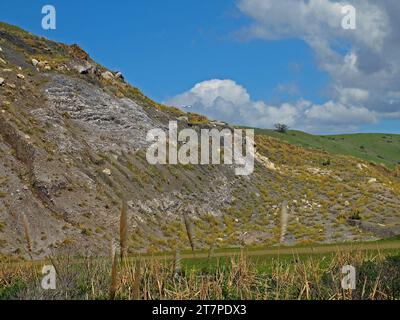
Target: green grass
pixel 374 147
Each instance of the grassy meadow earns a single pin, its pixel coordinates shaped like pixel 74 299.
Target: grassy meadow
pixel 375 147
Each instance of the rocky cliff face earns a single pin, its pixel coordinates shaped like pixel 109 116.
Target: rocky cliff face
pixel 72 147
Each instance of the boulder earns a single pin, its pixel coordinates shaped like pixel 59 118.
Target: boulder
pixel 361 166
pixel 119 75
pixel 107 75
pixel 35 62
pixel 62 67
pixel 218 123
pixel 83 70
pixel 2 81
pixel 2 61
pixel 183 118
pixel 42 64
pixel 20 76
pixel 372 180
pixel 265 161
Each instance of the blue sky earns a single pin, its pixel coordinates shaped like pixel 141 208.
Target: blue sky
pixel 167 47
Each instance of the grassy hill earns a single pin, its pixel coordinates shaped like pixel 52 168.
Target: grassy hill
pixel 54 96
pixel 375 147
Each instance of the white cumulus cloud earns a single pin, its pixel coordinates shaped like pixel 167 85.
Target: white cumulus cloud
pixel 226 100
pixel 368 71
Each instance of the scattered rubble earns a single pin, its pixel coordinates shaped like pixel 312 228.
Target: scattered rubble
pixel 41 65
pixel 319 172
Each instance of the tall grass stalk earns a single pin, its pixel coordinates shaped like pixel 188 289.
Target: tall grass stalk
pixel 113 283
pixel 189 229
pixel 123 230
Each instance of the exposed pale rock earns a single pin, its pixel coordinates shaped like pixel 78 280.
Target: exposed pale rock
pixel 265 161
pixel 2 61
pixel 20 76
pixel 35 62
pixel 107 172
pixel 320 172
pixel 42 64
pixel 183 119
pixel 83 69
pixel 218 123
pixel 62 67
pixel 107 75
pixel 2 81
pixel 119 75
pixel 361 166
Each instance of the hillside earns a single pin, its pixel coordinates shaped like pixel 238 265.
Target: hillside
pixel 72 151
pixel 375 147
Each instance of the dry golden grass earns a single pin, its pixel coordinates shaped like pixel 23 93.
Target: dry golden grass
pixel 238 277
